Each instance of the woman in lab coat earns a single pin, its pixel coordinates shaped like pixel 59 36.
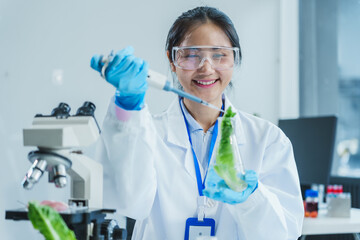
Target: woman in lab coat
pixel 158 163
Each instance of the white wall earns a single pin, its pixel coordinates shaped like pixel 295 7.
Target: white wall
pixel 40 36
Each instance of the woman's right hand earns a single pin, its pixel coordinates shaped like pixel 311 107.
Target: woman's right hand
pixel 128 74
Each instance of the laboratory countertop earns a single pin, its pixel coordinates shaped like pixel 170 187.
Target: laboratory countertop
pixel 332 225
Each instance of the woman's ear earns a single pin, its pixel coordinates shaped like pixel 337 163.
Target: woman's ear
pixel 173 69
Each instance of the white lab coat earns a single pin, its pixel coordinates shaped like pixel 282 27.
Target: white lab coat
pixel 151 165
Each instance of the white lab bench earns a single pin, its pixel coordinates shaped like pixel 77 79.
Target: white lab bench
pixel 332 225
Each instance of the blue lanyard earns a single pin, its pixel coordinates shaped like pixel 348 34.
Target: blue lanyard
pixel 201 184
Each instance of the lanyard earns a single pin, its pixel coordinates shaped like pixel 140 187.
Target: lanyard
pixel 200 183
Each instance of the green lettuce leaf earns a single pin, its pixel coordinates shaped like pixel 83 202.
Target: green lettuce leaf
pixel 49 222
pixel 225 160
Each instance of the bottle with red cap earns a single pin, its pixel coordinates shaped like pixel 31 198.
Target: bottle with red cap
pixel 338 189
pixel 334 191
pixel 330 190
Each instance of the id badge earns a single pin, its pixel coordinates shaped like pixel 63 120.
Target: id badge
pixel 195 228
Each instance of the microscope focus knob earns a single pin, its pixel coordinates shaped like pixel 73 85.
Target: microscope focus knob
pixel 119 234
pixel 111 230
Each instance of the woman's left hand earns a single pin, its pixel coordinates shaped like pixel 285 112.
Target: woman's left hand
pixel 216 188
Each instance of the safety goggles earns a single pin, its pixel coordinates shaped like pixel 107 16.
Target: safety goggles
pixel 194 57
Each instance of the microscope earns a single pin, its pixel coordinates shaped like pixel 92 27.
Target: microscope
pixel 58 137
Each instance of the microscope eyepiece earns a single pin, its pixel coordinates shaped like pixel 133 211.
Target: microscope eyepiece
pixel 62 111
pixel 87 109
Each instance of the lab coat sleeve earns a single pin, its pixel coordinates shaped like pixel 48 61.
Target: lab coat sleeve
pixel 275 209
pixel 127 157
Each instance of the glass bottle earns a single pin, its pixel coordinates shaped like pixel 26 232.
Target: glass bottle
pixel 311 203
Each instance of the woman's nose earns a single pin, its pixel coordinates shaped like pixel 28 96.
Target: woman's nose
pixel 206 65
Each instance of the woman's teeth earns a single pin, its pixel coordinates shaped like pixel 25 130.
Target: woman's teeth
pixel 206 83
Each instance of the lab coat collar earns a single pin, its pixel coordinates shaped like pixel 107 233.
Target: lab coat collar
pixel 177 133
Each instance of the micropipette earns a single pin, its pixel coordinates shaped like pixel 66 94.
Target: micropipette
pixel 160 81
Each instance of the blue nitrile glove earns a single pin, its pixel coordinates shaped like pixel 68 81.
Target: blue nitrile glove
pixel 128 74
pixel 216 188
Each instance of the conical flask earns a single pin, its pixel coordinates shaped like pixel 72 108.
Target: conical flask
pixel 226 159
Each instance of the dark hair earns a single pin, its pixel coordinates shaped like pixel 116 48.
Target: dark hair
pixel 200 15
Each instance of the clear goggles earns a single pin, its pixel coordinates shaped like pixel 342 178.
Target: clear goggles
pixel 194 57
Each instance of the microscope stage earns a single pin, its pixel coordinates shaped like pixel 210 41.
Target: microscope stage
pixel 81 216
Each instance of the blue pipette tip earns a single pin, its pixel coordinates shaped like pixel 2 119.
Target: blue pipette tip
pixel 193 98
pixel 212 106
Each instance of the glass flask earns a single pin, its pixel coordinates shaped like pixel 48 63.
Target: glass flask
pixel 226 159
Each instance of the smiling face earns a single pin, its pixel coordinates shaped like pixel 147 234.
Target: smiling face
pixel 205 82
